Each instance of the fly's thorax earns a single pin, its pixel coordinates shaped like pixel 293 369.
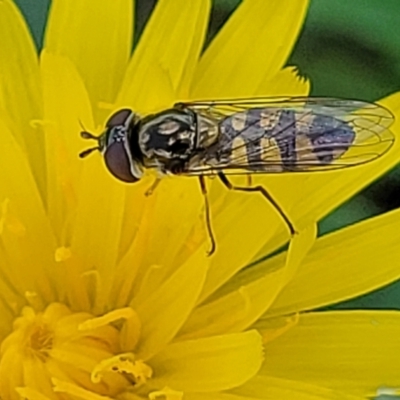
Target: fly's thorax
pixel 168 135
pixel 208 131
pixel 208 136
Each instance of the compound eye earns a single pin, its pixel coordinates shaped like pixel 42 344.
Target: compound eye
pixel 118 162
pixel 119 118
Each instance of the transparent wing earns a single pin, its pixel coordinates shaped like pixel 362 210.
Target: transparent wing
pixel 267 135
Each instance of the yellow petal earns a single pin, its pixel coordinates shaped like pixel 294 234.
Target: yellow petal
pixel 211 364
pixel 36 377
pixel 245 305
pixel 215 396
pixel 286 82
pixel 354 351
pixel 31 394
pixel 299 247
pixel 252 46
pixel 98 41
pixel 267 387
pixel 170 45
pixel 11 375
pixel 62 118
pixel 6 312
pixel 97 226
pixel 342 265
pixel 248 294
pixel 76 391
pixel 174 208
pixel 26 235
pixel 163 311
pixel 152 93
pixel 20 87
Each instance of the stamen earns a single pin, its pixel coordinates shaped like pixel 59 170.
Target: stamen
pixel 34 300
pixel 16 226
pixel 4 210
pixel 271 334
pixel 124 364
pixel 7 219
pixel 28 313
pixel 129 332
pixel 102 105
pixel 112 316
pixel 62 254
pixel 39 123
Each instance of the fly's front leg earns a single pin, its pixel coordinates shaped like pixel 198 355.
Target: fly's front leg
pixel 208 215
pixel 152 188
pixel 174 166
pixel 249 180
pixel 264 192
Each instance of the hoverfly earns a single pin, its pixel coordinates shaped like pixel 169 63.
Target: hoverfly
pixel 244 136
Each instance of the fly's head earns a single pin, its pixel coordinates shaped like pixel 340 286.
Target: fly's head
pixel 117 144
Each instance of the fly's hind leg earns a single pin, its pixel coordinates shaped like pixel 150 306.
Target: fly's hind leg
pixel 265 193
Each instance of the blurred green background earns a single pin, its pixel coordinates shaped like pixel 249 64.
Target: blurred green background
pixel 348 49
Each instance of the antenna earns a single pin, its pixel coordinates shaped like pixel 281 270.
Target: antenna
pixel 86 152
pixel 88 135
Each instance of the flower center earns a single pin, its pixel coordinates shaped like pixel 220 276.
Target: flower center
pixel 73 354
pixel 40 341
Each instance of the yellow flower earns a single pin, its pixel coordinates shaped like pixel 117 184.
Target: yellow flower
pixel 108 293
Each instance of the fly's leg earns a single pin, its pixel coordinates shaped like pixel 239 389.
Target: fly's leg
pixel 249 180
pixel 152 188
pixel 264 192
pixel 208 215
